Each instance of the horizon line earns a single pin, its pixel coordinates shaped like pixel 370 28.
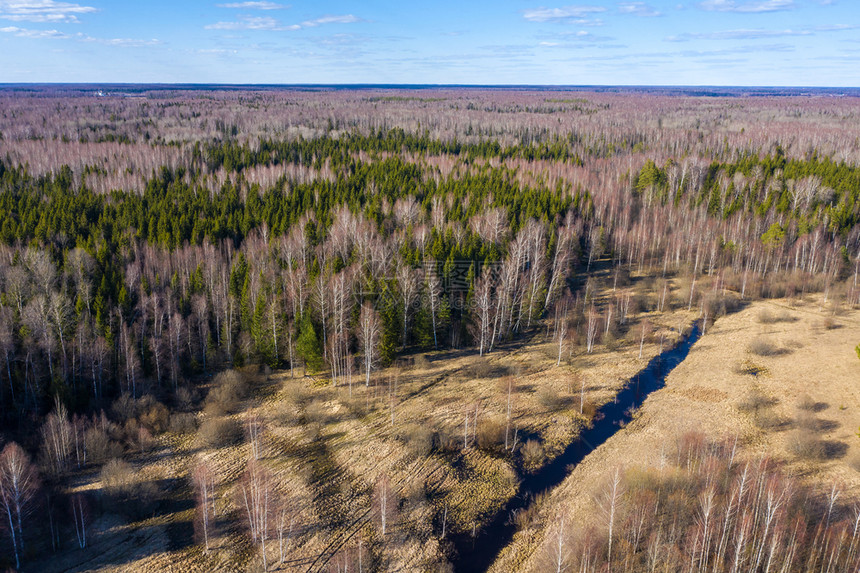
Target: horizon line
pixel 367 85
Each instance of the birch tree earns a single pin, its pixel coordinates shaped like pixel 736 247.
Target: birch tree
pixel 369 330
pixel 19 484
pixel 203 480
pixel 256 498
pixel 483 300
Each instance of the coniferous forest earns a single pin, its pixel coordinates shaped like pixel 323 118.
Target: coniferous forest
pixel 170 256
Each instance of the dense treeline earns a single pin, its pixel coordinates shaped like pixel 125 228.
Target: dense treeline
pixel 171 212
pixel 812 191
pixel 234 156
pixel 128 292
pixel 136 291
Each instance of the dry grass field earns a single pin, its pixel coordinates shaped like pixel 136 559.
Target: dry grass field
pixel 780 376
pixel 328 446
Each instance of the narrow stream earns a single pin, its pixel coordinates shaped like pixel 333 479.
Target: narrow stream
pixel 475 554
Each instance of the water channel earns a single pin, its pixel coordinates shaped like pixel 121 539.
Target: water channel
pixel 475 554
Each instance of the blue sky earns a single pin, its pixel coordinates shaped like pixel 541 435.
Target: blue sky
pixel 701 42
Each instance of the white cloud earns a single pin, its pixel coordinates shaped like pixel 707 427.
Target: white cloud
pixel 267 23
pixel 36 34
pixel 746 7
pixel 344 19
pixel 119 42
pixel 254 6
pixel 248 23
pixel 638 9
pixel 836 27
pixel 739 50
pixel 57 35
pixel 738 35
pixel 214 51
pixel 42 11
pixel 565 13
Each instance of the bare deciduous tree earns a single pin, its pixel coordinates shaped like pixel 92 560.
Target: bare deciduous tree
pixel 592 320
pixel 254 429
pixel 384 503
pixel 7 346
pixel 609 500
pixel 562 322
pixel 81 517
pixel 256 498
pixel 286 521
pixel 483 309
pixel 57 439
pixel 369 330
pixel 204 488
pixel 19 483
pixel 409 284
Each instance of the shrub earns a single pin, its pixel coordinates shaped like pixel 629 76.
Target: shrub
pixel 184 399
pixel 803 419
pixel 449 440
pixel 155 418
pixel 100 447
pixel 144 439
pixel 484 368
pixel 124 407
pixel 588 409
pixel 765 317
pixel 502 385
pixel 313 431
pixel 491 434
pixel 551 399
pixel 357 406
pixel 285 413
pixel 295 393
pixel 762 347
pixel 317 411
pixel 419 439
pixel 533 454
pixel 527 517
pixel 117 477
pixel 130 430
pixel 767 420
pixel 610 340
pixel 806 446
pixel 183 422
pixel 229 389
pixel 755 400
pixel 219 432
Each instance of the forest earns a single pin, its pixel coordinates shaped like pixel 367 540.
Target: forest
pixel 166 256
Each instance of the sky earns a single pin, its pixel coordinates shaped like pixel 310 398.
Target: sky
pixel 700 42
